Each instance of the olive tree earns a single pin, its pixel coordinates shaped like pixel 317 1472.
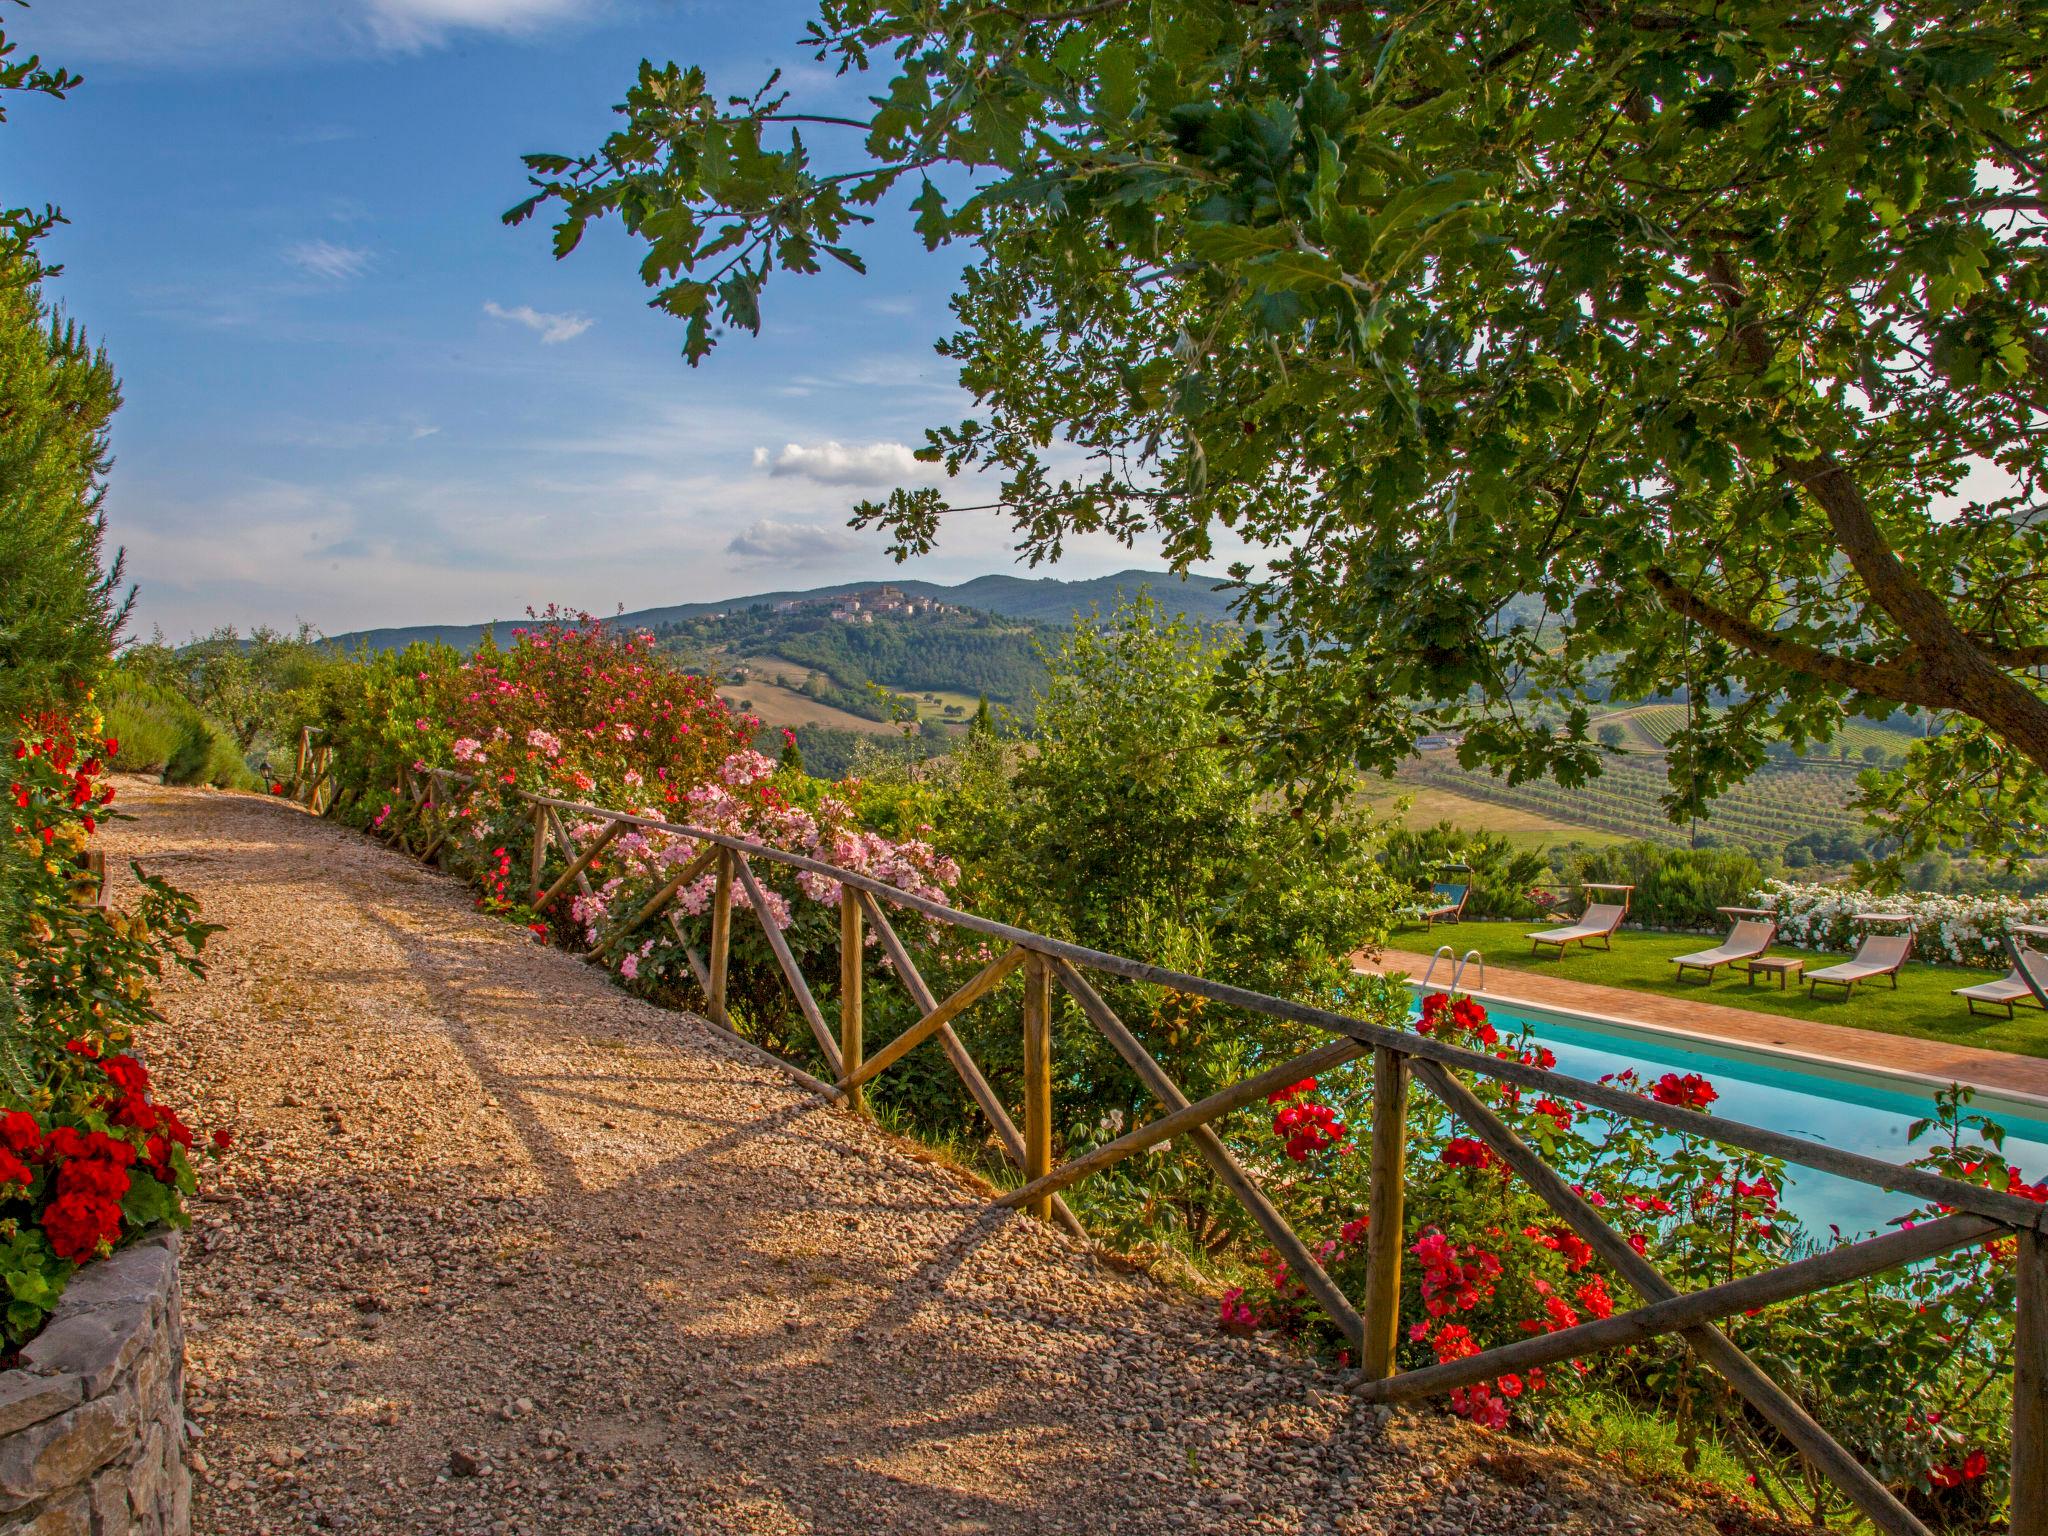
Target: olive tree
pixel 1663 345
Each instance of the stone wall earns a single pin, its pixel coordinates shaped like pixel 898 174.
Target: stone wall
pixel 92 1419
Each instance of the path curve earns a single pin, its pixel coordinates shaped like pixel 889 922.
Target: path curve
pixel 504 1250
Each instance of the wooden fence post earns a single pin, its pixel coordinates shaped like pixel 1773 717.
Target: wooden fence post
pixel 721 935
pixel 539 861
pixel 850 939
pixel 1038 1079
pixel 2029 1503
pixel 1384 1211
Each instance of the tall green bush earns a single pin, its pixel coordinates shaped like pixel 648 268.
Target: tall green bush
pixel 159 731
pixel 1502 876
pixel 59 608
pixel 1122 822
pixel 1674 887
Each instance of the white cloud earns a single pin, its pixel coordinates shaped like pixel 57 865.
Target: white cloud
pixel 328 262
pixel 243 32
pixel 779 543
pixel 837 463
pixel 551 328
pixel 419 23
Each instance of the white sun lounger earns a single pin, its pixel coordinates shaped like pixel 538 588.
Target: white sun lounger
pixel 2011 990
pixel 1597 922
pixel 1749 938
pixel 1880 954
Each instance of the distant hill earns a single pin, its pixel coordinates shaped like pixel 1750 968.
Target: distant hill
pixel 1042 600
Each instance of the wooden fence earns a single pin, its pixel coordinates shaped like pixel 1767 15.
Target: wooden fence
pixel 1399 1059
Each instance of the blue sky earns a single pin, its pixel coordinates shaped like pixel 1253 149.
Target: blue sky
pixel 354 398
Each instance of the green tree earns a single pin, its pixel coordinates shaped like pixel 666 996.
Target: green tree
pixel 1125 826
pixel 59 602
pixel 1685 319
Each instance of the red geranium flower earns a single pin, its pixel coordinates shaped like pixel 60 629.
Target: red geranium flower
pixel 1690 1091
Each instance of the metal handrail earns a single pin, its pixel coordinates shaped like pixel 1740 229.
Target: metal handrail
pixel 1458 974
pixel 1443 952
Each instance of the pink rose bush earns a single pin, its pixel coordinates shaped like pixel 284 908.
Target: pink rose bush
pixel 576 710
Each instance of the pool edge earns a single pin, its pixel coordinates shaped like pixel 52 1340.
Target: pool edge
pixel 2032 1105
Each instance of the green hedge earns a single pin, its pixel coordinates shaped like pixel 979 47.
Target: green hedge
pixel 159 732
pixel 1674 887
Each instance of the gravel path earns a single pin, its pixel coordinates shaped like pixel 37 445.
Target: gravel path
pixel 504 1250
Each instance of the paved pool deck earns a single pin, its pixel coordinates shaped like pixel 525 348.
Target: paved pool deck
pixel 1997 1071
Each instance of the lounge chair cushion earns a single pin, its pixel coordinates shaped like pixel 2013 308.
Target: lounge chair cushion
pixel 2012 986
pixel 1599 920
pixel 1746 940
pixel 1447 898
pixel 1878 955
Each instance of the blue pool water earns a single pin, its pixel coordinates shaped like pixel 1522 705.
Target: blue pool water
pixel 1857 1111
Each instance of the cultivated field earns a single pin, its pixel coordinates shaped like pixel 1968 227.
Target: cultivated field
pixel 1428 805
pixel 1767 812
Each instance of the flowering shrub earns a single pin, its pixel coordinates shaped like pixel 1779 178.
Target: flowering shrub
pixel 1967 930
pixel 88 1157
pixel 749 797
pixel 576 710
pixel 1487 1262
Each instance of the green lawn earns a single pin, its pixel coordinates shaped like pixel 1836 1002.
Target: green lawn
pixel 1640 962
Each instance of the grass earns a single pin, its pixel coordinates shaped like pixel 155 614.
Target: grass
pixel 1522 828
pixel 1648 1447
pixel 1922 1006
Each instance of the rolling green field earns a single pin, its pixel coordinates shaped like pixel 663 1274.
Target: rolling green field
pixel 1641 962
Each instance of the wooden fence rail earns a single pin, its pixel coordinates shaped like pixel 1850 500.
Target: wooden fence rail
pixel 1399 1056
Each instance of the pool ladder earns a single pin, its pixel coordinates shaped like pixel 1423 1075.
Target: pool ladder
pixel 1445 952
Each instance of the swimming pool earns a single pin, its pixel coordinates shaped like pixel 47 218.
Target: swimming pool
pixel 1856 1109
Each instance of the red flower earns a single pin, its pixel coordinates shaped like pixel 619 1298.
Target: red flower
pixel 20 1132
pixel 83 1048
pixel 1282 1095
pixel 13 1170
pixel 1307 1128
pixel 1691 1091
pixel 1464 1152
pixel 1593 1297
pixel 126 1074
pixel 79 1226
pixel 222 1140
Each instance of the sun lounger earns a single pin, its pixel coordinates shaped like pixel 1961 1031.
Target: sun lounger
pixel 1749 938
pixel 1446 903
pixel 2010 990
pixel 1598 922
pixel 1880 954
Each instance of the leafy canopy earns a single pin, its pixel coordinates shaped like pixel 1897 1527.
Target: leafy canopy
pixel 1687 320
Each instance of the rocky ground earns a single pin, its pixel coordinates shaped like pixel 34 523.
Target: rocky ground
pixel 503 1250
